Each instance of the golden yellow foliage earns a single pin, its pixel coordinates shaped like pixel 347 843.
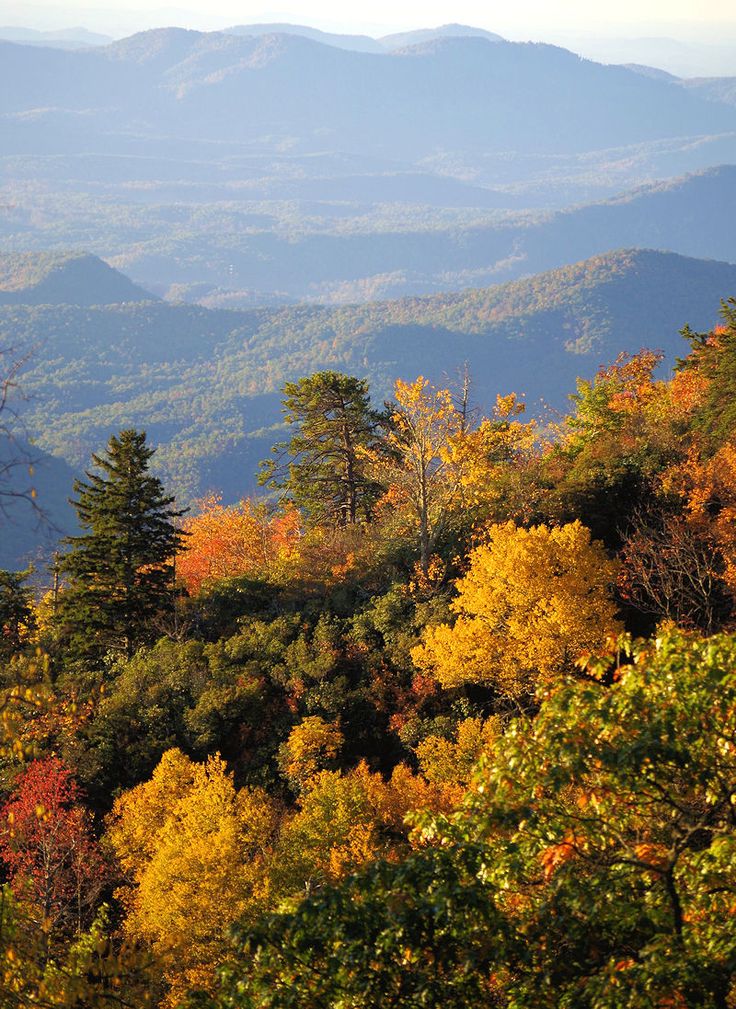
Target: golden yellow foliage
pixel 195 851
pixel 345 820
pixel 530 603
pixel 418 466
pixel 311 746
pixel 449 764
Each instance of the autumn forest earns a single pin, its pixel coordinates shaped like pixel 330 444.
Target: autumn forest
pixel 444 715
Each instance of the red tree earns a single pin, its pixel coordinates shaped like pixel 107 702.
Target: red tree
pixel 54 863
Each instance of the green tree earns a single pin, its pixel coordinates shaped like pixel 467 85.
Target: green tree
pixel 17 619
pixel 323 468
pixel 119 573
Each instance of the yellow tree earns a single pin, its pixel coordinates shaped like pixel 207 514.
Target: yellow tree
pixel 311 747
pixel 418 465
pixel 345 820
pixel 448 764
pixel 530 603
pixel 195 854
pixel 492 463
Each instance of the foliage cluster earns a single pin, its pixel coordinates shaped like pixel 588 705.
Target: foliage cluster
pixel 449 722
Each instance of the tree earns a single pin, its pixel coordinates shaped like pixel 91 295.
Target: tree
pixel 243 539
pixel 312 747
pixel 591 866
pixel 119 573
pixel 418 466
pixel 531 602
pixel 323 468
pixel 46 842
pixel 17 618
pixel 193 850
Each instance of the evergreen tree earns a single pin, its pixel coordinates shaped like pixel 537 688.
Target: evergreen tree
pixel 119 573
pixel 324 467
pixel 17 619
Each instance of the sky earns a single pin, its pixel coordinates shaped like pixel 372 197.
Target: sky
pixel 522 19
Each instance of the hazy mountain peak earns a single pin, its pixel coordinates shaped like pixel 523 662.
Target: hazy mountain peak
pixel 356 43
pixel 155 45
pixel 401 40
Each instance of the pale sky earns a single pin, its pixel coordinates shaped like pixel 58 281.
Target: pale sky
pixel 522 18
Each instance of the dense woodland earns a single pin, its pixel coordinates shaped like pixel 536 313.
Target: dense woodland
pixel 446 715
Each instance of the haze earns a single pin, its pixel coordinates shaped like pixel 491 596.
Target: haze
pixel 678 17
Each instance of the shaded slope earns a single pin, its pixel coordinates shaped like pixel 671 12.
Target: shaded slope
pixel 204 384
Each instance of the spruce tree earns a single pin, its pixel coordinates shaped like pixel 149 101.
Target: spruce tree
pixel 119 573
pixel 324 467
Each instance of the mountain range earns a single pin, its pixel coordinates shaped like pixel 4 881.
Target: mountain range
pixel 271 164
pixel 456 94
pixel 205 383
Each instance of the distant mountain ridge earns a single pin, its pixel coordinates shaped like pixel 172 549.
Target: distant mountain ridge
pixel 356 43
pixel 58 278
pixel 401 40
pixel 456 93
pixel 683 215
pixel 205 383
pixel 65 38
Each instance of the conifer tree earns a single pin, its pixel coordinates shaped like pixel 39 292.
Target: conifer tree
pixel 119 572
pixel 324 467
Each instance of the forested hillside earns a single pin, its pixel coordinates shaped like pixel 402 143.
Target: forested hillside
pixel 367 517
pixel 204 383
pixel 59 279
pixel 459 695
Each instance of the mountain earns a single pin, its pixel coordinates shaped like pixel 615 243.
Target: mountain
pixel 401 40
pixel 58 279
pixel 205 383
pixel 356 43
pixel 449 94
pixel 717 89
pixel 65 38
pixel 270 260
pixel 31 527
pixel 263 169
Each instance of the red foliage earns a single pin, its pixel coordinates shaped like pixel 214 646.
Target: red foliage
pixel 54 863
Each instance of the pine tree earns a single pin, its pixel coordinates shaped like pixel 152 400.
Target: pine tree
pixel 119 574
pixel 324 467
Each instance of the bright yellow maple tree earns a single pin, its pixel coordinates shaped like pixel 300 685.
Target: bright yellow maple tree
pixel 531 602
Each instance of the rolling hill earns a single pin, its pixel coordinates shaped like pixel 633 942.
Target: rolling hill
pixel 73 278
pixel 354 263
pixel 205 383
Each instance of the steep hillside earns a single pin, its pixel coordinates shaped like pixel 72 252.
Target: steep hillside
pixel 32 527
pixel 205 383
pixel 59 279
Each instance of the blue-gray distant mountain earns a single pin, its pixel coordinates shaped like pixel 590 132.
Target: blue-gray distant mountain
pixel 57 279
pixel 64 38
pixel 400 40
pixel 717 89
pixel 450 94
pixel 357 43
pixel 240 267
